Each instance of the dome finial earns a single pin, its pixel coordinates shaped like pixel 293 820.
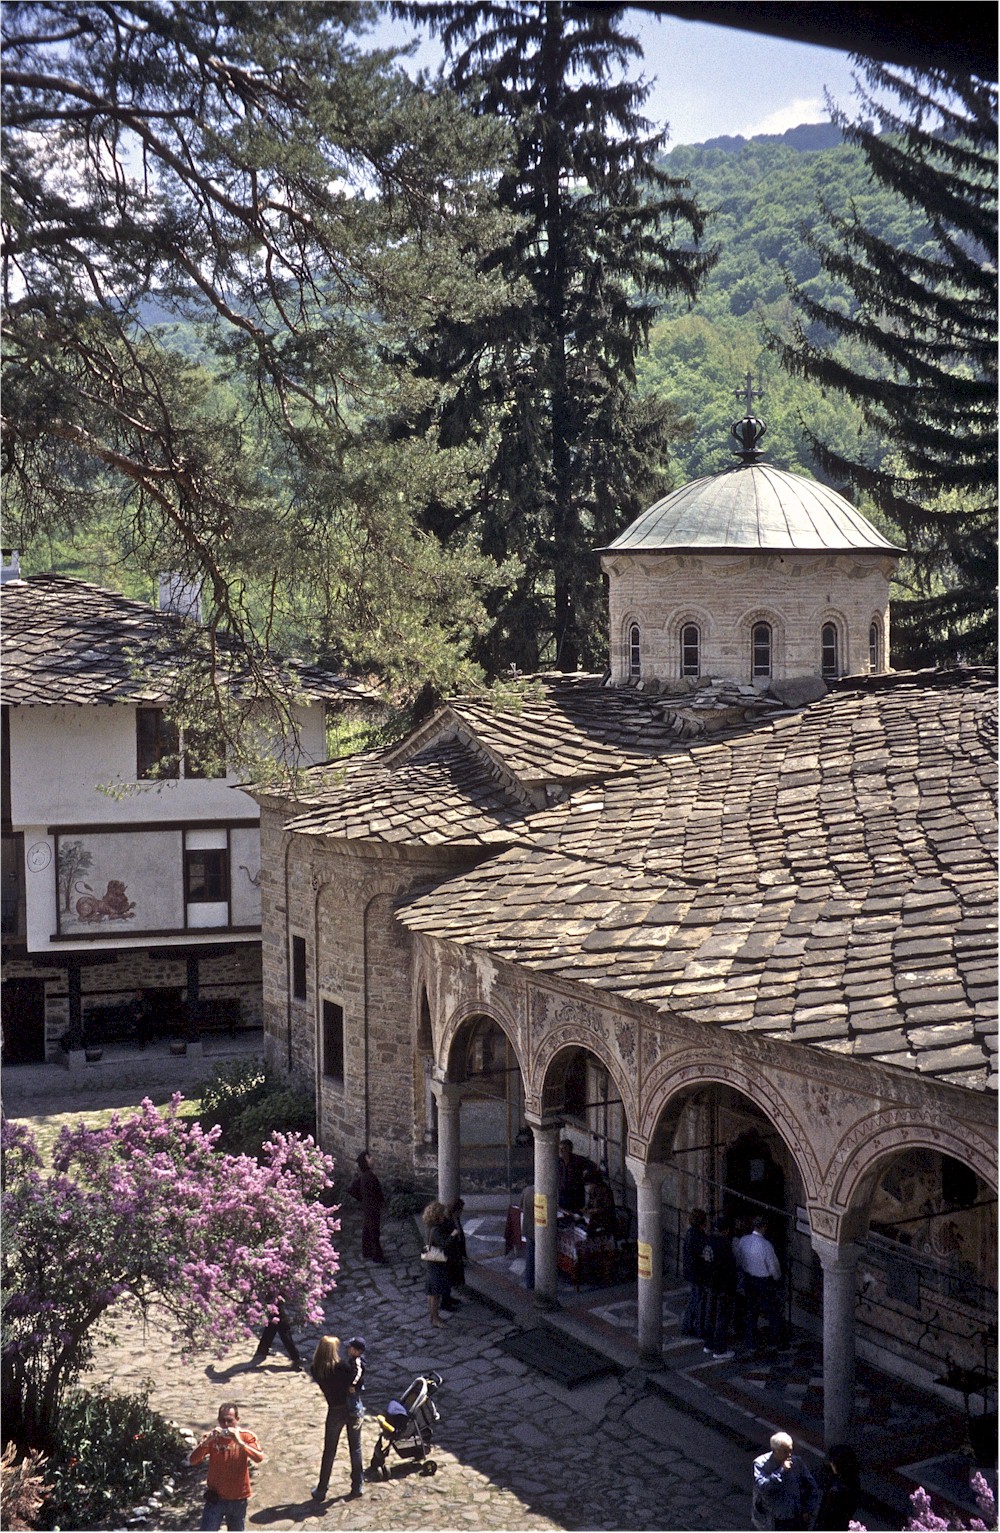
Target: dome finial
pixel 750 430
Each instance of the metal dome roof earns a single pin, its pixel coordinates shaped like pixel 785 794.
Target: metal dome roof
pixel 752 506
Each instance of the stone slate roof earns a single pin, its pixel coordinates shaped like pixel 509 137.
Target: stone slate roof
pixel 67 641
pixel 830 879
pixel 561 730
pixel 476 768
pixel 444 794
pixel 752 506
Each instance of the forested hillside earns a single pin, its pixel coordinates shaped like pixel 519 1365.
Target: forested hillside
pixel 760 194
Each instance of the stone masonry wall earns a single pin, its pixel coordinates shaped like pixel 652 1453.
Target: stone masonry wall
pixel 340 897
pixel 725 594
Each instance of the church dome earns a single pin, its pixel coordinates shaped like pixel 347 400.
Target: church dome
pixel 752 507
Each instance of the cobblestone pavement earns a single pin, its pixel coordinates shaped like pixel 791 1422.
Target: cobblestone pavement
pixel 515 1450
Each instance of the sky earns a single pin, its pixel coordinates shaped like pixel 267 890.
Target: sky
pixel 710 80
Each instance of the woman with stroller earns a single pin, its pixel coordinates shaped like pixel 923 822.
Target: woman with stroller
pixel 336 1376
pixel 435 1259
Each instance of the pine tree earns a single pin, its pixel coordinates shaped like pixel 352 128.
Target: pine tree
pixel 222 225
pixel 918 354
pixel 548 389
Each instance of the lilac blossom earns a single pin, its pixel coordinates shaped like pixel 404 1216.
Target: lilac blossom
pixel 147 1209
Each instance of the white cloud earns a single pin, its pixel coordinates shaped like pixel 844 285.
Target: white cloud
pixel 802 109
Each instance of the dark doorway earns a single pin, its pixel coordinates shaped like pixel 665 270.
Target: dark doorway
pixel 23 1021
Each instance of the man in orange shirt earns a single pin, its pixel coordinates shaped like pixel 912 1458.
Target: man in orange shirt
pixel 230 1451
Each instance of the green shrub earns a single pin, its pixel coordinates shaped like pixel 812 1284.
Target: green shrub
pixel 249 1105
pixel 110 1452
pixel 405 1200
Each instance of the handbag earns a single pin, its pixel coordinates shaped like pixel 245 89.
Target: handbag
pixel 432 1254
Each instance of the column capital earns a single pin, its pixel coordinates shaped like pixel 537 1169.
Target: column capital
pixel 836 1255
pixel 646 1173
pixel 448 1093
pixel 543 1126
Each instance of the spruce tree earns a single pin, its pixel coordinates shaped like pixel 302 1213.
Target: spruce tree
pixel 571 452
pixel 917 351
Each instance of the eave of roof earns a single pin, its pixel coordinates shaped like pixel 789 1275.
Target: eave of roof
pixel 69 642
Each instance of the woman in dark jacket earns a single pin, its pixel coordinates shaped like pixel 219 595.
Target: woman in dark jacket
pixel 367 1188
pixel 435 1257
pixel 335 1376
pixel 841 1483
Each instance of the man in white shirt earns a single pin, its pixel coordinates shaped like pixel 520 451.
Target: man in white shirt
pixel 758 1262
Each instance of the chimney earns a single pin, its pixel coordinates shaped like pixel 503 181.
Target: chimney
pixel 10 567
pixel 180 596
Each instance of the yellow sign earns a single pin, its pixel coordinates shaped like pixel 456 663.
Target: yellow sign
pixel 645 1259
pixel 541 1211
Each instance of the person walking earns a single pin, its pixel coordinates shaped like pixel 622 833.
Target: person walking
pixel 279 1326
pixel 528 1234
pixel 435 1259
pixel 785 1494
pixel 722 1274
pixel 230 1450
pixel 841 1482
pixel 695 1273
pixel 367 1190
pixel 336 1377
pixel 761 1270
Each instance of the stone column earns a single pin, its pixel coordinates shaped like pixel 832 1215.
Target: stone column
pixel 648 1177
pixel 547 1187
pixel 839 1299
pixel 449 1103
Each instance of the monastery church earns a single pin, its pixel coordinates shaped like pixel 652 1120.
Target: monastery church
pixel 724 917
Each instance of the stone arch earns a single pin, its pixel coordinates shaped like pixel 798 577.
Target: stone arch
pixel 830 614
pixel 466 1013
pixel 482 1067
pixel 630 620
pixel 863 1153
pixel 877 621
pixel 743 629
pixel 678 620
pixel 578 1035
pixel 671 1083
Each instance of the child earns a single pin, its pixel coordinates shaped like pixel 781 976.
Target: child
pixel 356 1357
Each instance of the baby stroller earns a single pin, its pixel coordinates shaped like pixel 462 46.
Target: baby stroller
pixel 407 1428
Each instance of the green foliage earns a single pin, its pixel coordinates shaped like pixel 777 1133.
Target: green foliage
pixel 917 350
pixel 546 386
pixel 110 1452
pixel 405 1200
pixel 264 219
pixel 249 1105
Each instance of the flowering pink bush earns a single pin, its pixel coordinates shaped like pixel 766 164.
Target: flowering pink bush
pixel 148 1209
pixel 926 1520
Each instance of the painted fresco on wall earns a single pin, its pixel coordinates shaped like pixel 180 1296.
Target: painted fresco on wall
pixel 244 850
pixel 116 882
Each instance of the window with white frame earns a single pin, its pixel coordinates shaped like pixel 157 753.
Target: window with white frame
pixel 874 648
pixel 760 651
pixel 634 651
pixel 690 650
pixel 829 664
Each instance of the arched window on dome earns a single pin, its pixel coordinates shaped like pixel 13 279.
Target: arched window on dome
pixel 634 652
pixel 874 648
pixel 760 651
pixel 690 650
pixel 829 665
